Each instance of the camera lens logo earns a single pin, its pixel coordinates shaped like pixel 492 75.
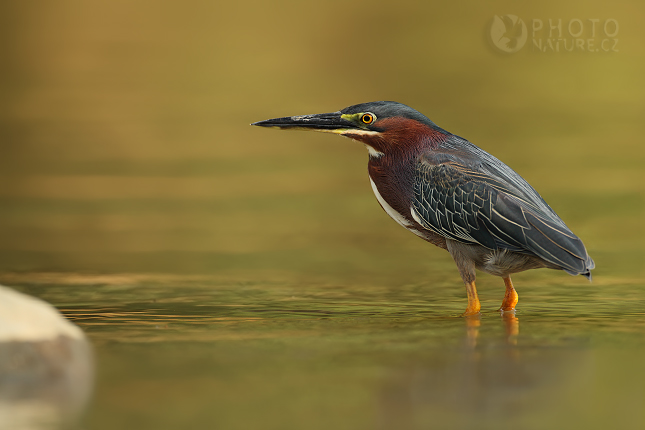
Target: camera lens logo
pixel 508 33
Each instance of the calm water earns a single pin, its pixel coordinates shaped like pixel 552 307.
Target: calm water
pixel 238 278
pixel 176 351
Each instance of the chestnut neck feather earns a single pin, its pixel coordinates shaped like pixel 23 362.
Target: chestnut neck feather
pixel 402 134
pixel 401 141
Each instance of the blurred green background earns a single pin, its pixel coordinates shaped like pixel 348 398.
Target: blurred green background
pixel 135 197
pixel 126 145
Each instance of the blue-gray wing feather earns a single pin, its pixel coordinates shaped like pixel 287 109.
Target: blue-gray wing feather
pixel 463 193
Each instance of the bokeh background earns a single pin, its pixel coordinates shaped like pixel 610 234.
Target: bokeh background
pixel 126 153
pixel 126 145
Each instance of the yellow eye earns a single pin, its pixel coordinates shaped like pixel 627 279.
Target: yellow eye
pixel 367 118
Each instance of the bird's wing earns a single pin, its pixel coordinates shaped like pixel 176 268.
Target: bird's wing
pixel 467 196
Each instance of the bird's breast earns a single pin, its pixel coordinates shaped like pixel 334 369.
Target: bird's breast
pixel 392 186
pixel 396 216
pixel 401 218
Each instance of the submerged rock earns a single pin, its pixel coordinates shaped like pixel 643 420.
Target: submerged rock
pixel 46 369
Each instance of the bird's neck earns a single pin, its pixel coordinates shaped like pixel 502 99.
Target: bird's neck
pixel 403 135
pixel 394 153
pixel 392 174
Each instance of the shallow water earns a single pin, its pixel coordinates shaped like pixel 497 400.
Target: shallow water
pixel 178 350
pixel 235 277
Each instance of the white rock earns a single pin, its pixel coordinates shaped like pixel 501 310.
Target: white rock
pixel 26 318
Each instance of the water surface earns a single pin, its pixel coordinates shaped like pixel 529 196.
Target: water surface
pixel 177 350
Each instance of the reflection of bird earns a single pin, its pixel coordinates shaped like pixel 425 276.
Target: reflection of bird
pixel 513 31
pixel 453 194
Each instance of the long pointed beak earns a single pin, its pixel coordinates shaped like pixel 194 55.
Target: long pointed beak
pixel 328 122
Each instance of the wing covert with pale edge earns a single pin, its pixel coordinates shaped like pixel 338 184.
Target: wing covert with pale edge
pixel 465 194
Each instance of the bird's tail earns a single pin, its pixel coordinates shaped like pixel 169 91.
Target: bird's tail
pixel 589 263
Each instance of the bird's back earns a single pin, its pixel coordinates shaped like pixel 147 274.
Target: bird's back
pixel 466 194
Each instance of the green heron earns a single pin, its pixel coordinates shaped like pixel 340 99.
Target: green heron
pixel 454 195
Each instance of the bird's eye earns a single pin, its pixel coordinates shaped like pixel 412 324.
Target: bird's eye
pixel 367 118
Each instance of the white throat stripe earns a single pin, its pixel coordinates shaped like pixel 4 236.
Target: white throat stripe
pixel 389 209
pixel 373 152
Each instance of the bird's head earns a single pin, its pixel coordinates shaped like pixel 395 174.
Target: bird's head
pixel 382 126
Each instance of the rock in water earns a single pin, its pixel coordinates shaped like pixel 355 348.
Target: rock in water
pixel 46 366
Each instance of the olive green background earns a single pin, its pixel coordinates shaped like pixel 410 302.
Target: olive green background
pixel 237 277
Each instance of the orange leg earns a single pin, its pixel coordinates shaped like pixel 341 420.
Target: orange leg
pixel 510 298
pixel 473 301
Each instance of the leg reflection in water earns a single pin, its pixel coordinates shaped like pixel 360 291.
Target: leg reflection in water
pixel 511 327
pixel 482 375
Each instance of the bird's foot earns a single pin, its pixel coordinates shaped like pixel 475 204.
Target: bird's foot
pixel 473 301
pixel 510 297
pixel 472 309
pixel 508 305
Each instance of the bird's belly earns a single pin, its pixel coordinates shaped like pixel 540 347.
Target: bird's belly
pixel 499 262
